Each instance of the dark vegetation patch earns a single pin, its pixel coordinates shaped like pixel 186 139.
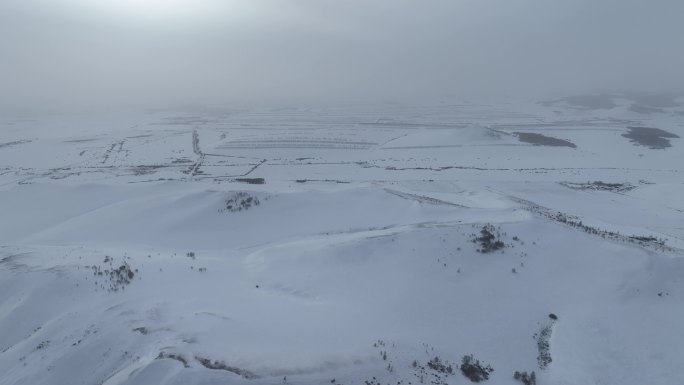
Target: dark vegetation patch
pixel 653 138
pixel 489 239
pixel 43 345
pixel 114 278
pixel 475 370
pixel 240 201
pixel 543 140
pixel 543 346
pixel 220 365
pixel 438 365
pixel 600 186
pixel 435 372
pixel 174 356
pixel 574 221
pixel 643 238
pixel 526 378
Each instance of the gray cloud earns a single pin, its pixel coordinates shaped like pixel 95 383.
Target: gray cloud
pixel 66 54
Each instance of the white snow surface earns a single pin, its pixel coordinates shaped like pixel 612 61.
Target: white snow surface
pixel 312 246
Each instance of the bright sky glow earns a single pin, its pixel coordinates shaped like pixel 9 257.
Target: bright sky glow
pixel 163 9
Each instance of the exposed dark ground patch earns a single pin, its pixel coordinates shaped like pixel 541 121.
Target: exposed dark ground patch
pixel 653 138
pixel 543 140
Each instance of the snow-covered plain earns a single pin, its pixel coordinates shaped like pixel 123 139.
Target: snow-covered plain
pixel 339 245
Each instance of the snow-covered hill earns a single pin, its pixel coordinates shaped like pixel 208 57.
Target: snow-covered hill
pixel 349 246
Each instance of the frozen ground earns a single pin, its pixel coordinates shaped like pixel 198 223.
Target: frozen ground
pixel 311 246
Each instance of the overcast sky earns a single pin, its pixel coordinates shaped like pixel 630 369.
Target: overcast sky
pixel 73 53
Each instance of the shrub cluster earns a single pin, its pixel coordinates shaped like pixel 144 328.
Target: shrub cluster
pixel 474 370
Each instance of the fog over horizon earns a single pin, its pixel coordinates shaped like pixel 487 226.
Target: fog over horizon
pixel 79 54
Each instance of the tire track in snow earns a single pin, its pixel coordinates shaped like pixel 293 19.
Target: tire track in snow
pixel 194 169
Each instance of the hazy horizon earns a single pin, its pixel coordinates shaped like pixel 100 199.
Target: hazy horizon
pixel 73 55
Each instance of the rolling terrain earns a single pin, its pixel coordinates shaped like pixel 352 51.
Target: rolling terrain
pixel 357 245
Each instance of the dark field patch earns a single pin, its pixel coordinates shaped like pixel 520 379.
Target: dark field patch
pixel 653 138
pixel 543 140
pixel 251 180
